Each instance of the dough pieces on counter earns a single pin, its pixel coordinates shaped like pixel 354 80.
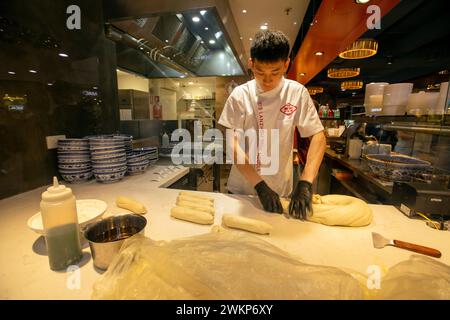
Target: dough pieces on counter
pixel 196 196
pixel 197 209
pixel 337 210
pixel 192 215
pixel 196 206
pixel 243 223
pixel 130 204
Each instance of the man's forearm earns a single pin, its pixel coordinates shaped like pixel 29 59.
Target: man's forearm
pixel 246 169
pixel 314 157
pixel 250 174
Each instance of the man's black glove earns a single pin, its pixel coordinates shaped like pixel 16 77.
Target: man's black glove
pixel 301 200
pixel 269 198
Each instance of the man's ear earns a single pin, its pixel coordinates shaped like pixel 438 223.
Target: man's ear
pixel 250 63
pixel 286 64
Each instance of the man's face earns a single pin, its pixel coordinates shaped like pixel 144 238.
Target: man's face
pixel 268 75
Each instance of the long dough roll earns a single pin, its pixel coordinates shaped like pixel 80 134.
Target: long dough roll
pixel 195 206
pixel 196 196
pixel 252 225
pixel 192 215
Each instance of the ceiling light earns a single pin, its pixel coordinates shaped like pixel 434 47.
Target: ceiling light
pixel 263 27
pixel 341 73
pixel 196 19
pixel 190 83
pixel 202 41
pixel 32 71
pixel 360 49
pixel 244 11
pixel 352 85
pixel 49 84
pixel 63 55
pixel 319 53
pixel 241 38
pixel 206 28
pixel 314 90
pixel 202 12
pixel 212 41
pixel 250 39
pixel 11 72
pixel 362 1
pixel 218 34
pixel 295 22
pixel 389 60
pixel 303 74
pixel 167 41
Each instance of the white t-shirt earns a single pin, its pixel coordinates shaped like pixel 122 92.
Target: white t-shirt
pixel 285 107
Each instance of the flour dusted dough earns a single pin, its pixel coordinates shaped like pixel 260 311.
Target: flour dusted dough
pixel 338 210
pixel 195 206
pixel 196 196
pixel 192 215
pixel 252 225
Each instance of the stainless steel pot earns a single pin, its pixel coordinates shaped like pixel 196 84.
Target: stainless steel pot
pixel 106 236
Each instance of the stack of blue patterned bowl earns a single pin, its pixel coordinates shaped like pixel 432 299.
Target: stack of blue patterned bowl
pixel 139 159
pixel 109 158
pixel 74 162
pixel 128 141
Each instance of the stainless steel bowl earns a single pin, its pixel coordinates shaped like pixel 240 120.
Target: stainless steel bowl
pixel 106 236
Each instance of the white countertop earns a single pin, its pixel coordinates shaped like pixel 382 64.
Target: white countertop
pixel 25 274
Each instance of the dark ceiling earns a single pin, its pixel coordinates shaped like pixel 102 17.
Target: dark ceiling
pixel 414 36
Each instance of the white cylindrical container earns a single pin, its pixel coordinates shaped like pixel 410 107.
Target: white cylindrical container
pixel 355 148
pixel 373 100
pixel 442 100
pixel 61 230
pixel 395 98
pixel 422 103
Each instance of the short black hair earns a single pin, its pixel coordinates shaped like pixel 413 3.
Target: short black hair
pixel 270 46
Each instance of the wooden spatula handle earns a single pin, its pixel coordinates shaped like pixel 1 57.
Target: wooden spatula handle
pixel 416 248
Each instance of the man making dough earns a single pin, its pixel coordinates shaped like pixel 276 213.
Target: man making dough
pixel 272 102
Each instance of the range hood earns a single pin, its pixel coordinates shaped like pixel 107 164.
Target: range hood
pixel 191 43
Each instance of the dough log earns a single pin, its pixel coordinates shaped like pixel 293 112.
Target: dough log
pixel 196 196
pixel 130 204
pixel 247 224
pixel 195 206
pixel 192 215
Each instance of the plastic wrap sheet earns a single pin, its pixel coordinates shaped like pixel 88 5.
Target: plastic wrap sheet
pixel 419 277
pixel 220 265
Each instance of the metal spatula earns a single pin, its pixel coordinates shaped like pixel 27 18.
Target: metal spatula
pixel 380 242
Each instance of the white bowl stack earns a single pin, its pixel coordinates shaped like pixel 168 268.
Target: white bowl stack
pixel 109 158
pixel 74 162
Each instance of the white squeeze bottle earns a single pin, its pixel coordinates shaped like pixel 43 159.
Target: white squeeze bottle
pixel 61 230
pixel 165 140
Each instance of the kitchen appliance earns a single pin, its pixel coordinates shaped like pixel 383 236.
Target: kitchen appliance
pixel 380 242
pixel 133 104
pixel 431 199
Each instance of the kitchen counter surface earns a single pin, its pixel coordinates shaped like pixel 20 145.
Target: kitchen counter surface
pixel 24 271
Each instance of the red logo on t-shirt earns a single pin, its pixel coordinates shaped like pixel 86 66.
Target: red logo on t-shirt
pixel 288 109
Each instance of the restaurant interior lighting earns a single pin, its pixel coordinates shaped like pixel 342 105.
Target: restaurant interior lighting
pixel 362 1
pixel 319 53
pixel 212 41
pixel 352 85
pixel 196 19
pixel 314 90
pixel 360 49
pixel 342 73
pixel 244 11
